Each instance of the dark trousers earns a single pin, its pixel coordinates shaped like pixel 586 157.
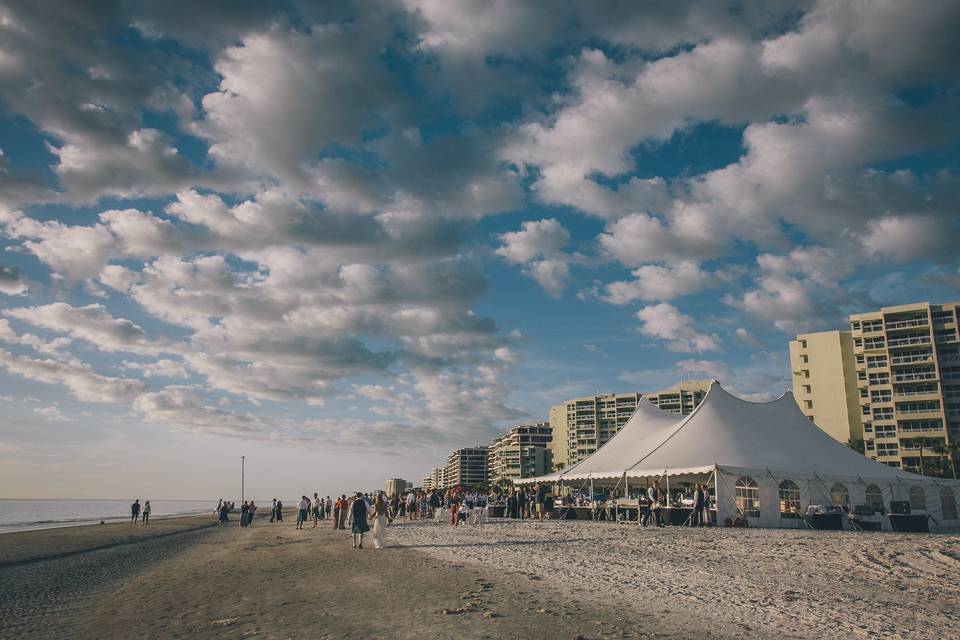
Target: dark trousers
pixel 657 515
pixel 696 516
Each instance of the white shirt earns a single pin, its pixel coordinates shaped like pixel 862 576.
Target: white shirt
pixel 303 504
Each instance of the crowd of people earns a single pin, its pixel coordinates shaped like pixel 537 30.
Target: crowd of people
pixel 456 506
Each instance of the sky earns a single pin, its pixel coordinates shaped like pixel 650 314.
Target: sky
pixel 343 238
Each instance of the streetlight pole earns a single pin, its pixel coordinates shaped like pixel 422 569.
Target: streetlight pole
pixel 243 464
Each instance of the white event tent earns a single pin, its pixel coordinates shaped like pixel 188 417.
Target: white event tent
pixel 765 460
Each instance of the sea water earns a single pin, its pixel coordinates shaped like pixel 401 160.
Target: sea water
pixel 19 515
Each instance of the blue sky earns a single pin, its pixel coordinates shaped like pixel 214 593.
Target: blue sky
pixel 343 239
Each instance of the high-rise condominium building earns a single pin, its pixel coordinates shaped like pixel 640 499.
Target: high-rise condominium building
pixel 438 478
pixel 590 421
pixel 396 487
pixel 523 452
pixel 427 483
pixel 467 466
pixel 682 398
pixel 825 382
pixel 907 361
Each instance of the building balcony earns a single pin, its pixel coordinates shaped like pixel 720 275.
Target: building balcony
pixel 914 377
pixel 926 357
pixel 894 325
pixel 908 341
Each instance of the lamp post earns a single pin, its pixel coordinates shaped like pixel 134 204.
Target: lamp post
pixel 243 463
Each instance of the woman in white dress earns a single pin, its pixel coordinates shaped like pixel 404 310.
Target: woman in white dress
pixel 380 521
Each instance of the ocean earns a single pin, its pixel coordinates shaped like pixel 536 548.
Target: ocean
pixel 21 515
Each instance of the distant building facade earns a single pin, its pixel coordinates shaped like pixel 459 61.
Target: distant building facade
pixel 583 425
pixel 522 452
pixel 825 382
pixel 907 361
pixel 467 466
pixel 396 487
pixel 682 398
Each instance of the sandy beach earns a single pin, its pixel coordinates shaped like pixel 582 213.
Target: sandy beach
pixel 184 579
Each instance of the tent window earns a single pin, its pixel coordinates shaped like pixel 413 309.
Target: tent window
pixel 789 499
pixel 874 497
pixel 918 499
pixel 748 497
pixel 948 503
pixel 840 496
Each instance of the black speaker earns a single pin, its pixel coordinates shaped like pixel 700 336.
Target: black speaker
pixel 863 509
pixel 900 507
pixel 911 524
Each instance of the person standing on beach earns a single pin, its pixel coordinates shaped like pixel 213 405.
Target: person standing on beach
pixel 302 508
pixel 541 499
pixel 252 512
pixel 329 507
pixel 315 507
pixel 273 511
pixel 146 512
pixel 359 513
pixel 654 495
pixel 342 520
pixel 697 507
pixel 522 503
pixel 279 511
pixel 380 521
pixel 224 515
pixel 244 513
pixel 135 511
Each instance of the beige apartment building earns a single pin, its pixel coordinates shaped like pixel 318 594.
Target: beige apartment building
pixel 437 478
pixel 682 398
pixel 467 466
pixel 907 361
pixel 396 487
pixel 825 382
pixel 522 452
pixel 582 425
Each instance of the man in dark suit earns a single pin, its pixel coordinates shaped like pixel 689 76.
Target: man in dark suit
pixel 696 518
pixel 654 495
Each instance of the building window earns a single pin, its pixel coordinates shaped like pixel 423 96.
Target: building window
pixel 804 359
pixel 861 375
pixel 874 497
pixel 859 358
pixel 840 496
pixel 918 499
pixel 948 503
pixel 807 388
pixel 748 497
pixel 809 404
pixel 803 343
pixel 789 499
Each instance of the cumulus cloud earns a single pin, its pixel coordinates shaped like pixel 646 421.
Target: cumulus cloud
pixel 656 282
pixel 51 414
pixel 78 377
pixel 162 368
pixel 94 325
pixel 539 247
pixel 664 321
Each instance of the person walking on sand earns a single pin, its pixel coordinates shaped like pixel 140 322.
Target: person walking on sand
pixel 279 511
pixel 329 507
pixel 224 516
pixel 380 508
pixel 252 512
pixel 359 512
pixel 135 511
pixel 146 512
pixel 273 511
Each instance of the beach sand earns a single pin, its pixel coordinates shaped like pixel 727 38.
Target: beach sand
pixel 556 580
pixel 740 582
pixel 272 581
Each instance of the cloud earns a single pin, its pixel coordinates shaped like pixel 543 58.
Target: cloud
pixel 78 377
pixel 162 368
pixel 94 325
pixel 538 246
pixel 656 282
pixel 51 414
pixel 664 321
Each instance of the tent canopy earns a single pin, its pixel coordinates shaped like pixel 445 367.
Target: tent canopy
pixel 729 433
